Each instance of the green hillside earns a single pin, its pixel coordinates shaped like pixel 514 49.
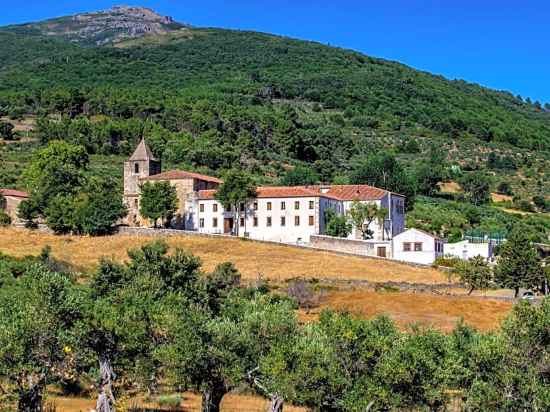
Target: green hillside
pixel 212 99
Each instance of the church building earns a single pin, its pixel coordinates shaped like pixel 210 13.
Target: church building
pixel 288 214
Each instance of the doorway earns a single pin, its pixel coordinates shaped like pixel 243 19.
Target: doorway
pixel 381 251
pixel 228 225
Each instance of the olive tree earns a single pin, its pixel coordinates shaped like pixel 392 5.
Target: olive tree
pixel 475 273
pixel 213 349
pixel 118 328
pixel 39 312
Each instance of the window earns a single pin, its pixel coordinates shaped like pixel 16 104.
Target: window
pixel 136 203
pixel 269 221
pixel 255 222
pixel 255 205
pixel 296 220
pixel 201 207
pixel 201 222
pixel 400 208
pixel 269 205
pixel 215 207
pixel 296 205
pixel 283 205
pixel 283 221
pixel 136 168
pixel 241 207
pixel 418 247
pixel 311 220
pixel 242 221
pixel 406 247
pixel 215 222
pixel 311 205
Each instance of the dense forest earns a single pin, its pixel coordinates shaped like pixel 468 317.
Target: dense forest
pixel 212 99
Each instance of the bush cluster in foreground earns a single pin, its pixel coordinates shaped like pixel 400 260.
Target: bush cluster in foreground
pixel 160 318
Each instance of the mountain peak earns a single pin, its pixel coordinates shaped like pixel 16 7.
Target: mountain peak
pixel 98 28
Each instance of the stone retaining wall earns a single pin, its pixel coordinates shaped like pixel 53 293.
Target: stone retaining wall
pixel 352 246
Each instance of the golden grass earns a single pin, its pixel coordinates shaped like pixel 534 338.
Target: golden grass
pixel 274 262
pixel 440 312
pixel 191 402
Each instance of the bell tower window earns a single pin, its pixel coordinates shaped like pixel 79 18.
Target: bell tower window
pixel 136 168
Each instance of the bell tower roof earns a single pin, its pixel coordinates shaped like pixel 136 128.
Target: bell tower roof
pixel 142 152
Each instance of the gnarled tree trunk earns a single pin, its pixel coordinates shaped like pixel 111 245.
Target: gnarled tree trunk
pixel 276 404
pixel 212 397
pixel 105 399
pixel 30 395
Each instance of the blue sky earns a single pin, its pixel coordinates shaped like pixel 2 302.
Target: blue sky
pixel 500 44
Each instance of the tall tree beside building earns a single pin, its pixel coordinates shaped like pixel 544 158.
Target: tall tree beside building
pixel 158 201
pixel 384 171
pixel 237 187
pixel 57 170
pixel 519 265
pixel 362 215
pixel 336 225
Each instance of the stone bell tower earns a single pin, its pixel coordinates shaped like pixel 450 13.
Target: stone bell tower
pixel 141 164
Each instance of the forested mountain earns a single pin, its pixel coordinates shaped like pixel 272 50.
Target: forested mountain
pixel 212 99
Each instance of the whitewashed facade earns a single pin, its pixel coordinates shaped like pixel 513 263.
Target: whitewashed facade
pixel 293 214
pixel 288 214
pixel 466 250
pixel 417 246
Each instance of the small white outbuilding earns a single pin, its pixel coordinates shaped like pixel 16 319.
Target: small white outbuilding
pixel 466 249
pixel 417 246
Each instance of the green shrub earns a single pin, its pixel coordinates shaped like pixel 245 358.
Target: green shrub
pixel 5 220
pixel 169 401
pixel 447 261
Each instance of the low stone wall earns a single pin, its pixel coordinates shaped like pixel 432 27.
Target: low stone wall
pixel 148 231
pixel 352 246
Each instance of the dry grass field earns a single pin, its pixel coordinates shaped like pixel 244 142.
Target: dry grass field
pixel 276 263
pixel 191 403
pixel 440 312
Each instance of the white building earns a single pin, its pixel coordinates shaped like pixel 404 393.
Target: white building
pixel 277 213
pixel 467 250
pixel 292 214
pixel 417 246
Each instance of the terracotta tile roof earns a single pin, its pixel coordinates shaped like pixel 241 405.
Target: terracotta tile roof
pixel 337 192
pixel 353 192
pixel 270 192
pixel 182 174
pixel 14 193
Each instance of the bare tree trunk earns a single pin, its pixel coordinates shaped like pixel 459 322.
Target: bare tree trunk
pixel 105 399
pixel 212 398
pixel 276 404
pixel 30 397
pixel 470 291
pixel 516 292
